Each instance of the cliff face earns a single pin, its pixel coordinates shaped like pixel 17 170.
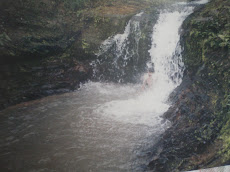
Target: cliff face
pixel 46 46
pixel 199 136
pixel 44 28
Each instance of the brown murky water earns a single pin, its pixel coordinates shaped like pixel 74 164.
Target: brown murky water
pixel 71 132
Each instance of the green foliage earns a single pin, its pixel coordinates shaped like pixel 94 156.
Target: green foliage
pixel 225 132
pixel 207 44
pixel 85 46
pixel 99 19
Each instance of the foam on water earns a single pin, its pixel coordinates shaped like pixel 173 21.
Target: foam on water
pixel 146 107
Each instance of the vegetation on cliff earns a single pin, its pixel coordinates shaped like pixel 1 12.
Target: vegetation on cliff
pixel 199 137
pixel 207 47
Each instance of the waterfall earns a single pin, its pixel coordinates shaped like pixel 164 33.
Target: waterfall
pixel 146 106
pixel 118 56
pixel 105 125
pixel 166 51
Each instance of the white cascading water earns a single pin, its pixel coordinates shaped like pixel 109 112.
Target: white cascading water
pixel 117 51
pixel 146 106
pixel 120 40
pixel 166 51
pixel 102 126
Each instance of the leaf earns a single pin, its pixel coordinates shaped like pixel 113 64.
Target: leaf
pixel 212 43
pixel 223 44
pixel 222 37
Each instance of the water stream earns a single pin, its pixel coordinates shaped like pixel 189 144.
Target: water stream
pixel 103 126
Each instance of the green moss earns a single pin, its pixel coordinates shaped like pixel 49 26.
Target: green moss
pixel 85 45
pixel 207 54
pixel 225 132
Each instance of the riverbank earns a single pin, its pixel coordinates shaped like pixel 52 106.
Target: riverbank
pixel 199 136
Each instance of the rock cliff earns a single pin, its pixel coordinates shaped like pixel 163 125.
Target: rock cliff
pixel 200 115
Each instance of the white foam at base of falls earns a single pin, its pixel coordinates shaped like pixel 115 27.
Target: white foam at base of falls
pixel 146 107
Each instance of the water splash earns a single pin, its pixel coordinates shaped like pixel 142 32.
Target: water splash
pixel 147 106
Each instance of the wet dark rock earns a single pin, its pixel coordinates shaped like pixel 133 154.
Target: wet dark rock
pixel 28 83
pixel 126 62
pixel 200 111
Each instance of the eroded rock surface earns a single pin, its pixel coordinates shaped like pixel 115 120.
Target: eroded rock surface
pixel 200 113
